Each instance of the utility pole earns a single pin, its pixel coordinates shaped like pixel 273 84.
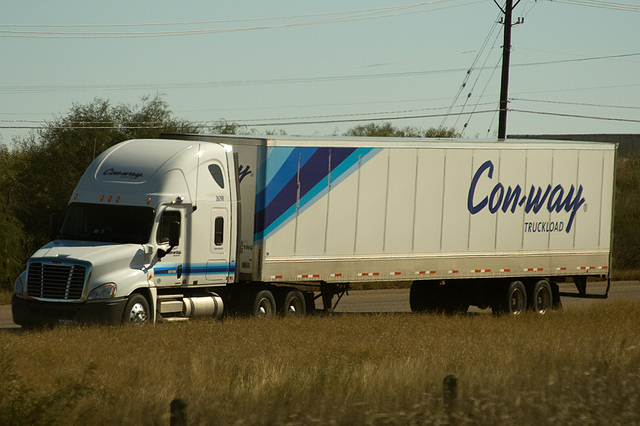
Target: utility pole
pixel 506 53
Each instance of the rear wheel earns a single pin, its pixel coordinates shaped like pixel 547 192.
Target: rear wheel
pixel 137 310
pixel 294 304
pixel 541 297
pixel 514 300
pixel 264 305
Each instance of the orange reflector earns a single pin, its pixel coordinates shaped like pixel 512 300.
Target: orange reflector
pixel 75 197
pixel 148 200
pixel 102 198
pixel 109 198
pixel 118 200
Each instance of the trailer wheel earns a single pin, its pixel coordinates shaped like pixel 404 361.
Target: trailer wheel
pixel 294 304
pixel 514 301
pixel 541 297
pixel 137 310
pixel 264 304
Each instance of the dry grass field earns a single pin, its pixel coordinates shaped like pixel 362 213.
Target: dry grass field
pixel 568 367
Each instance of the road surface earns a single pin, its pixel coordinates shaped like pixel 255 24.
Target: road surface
pixel 397 300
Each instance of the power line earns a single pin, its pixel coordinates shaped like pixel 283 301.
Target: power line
pixel 575 103
pixel 221 21
pixel 280 80
pixel 366 14
pixel 624 7
pixel 590 117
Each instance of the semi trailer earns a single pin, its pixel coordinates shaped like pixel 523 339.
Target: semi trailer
pixel 196 225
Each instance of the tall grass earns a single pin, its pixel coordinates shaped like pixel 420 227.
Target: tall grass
pixel 574 367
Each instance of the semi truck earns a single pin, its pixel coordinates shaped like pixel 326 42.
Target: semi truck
pixel 192 225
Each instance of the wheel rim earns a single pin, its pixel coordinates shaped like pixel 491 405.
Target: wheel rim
pixel 137 314
pixel 264 308
pixel 516 301
pixel 294 307
pixel 542 300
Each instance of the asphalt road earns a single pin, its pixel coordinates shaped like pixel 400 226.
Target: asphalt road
pixel 398 300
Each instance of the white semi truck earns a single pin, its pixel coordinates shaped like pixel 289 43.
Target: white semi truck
pixel 191 225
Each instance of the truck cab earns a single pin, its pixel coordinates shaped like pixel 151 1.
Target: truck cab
pixel 148 216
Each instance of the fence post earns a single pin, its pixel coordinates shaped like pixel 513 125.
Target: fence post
pixel 178 412
pixel 450 390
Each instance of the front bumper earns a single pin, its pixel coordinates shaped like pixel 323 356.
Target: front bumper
pixel 35 313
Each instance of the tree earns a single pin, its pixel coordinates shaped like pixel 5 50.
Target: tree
pixel 388 130
pixel 626 221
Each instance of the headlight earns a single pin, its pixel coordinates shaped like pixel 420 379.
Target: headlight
pixel 105 291
pixel 18 287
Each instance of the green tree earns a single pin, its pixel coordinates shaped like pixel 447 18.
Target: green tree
pixel 626 221
pixel 12 236
pixel 388 130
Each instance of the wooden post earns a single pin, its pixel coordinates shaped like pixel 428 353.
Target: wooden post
pixel 450 390
pixel 178 412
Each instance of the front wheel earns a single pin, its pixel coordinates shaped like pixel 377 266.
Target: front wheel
pixel 137 310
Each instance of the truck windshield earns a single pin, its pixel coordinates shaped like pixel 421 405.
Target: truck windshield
pixel 107 223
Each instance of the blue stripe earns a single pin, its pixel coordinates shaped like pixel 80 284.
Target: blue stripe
pixel 281 193
pixel 196 269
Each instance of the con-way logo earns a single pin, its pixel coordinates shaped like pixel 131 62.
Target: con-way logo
pixel 123 174
pixel 512 198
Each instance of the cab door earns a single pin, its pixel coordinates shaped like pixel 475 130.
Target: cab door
pixel 170 269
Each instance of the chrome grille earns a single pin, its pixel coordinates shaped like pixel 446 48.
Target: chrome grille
pixel 50 281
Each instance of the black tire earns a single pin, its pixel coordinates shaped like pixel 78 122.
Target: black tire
pixel 264 305
pixel 541 297
pixel 513 301
pixel 294 304
pixel 137 310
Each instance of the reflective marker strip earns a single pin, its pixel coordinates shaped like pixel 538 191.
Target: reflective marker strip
pixel 368 274
pixel 479 271
pixel 505 270
pixel 309 276
pixel 425 272
pixel 533 269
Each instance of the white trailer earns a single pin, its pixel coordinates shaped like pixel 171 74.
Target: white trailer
pixel 185 226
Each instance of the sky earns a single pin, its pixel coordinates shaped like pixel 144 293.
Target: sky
pixel 321 68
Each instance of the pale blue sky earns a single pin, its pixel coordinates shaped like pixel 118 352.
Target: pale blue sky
pixel 270 62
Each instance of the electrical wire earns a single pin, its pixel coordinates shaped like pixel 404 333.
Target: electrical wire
pixel 601 4
pixel 366 14
pixel 590 117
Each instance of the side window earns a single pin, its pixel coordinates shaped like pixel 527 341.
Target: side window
pixel 216 174
pixel 162 236
pixel 218 231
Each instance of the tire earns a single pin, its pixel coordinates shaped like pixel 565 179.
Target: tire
pixel 294 304
pixel 513 301
pixel 264 305
pixel 136 310
pixel 541 297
